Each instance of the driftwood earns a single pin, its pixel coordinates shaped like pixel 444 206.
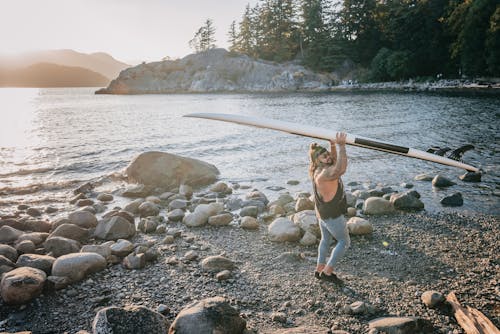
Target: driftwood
pixel 471 320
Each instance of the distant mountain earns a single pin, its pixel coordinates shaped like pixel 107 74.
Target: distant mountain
pixel 51 75
pixel 98 62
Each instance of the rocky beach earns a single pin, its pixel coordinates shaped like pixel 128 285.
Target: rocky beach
pixel 174 250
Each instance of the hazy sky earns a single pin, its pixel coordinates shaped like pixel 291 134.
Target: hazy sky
pixel 129 30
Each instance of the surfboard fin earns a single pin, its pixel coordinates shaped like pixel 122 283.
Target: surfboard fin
pixel 456 154
pixel 459 152
pixel 438 150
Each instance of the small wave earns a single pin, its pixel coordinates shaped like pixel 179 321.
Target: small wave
pixel 38 187
pixel 23 171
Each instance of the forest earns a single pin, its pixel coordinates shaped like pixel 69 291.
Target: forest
pixel 385 39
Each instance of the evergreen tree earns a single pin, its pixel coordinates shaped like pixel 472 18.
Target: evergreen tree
pixel 233 37
pixel 493 44
pixel 204 39
pixel 469 23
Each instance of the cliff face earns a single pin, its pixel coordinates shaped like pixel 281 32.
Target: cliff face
pixel 215 70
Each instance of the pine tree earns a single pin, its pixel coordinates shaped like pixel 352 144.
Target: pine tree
pixel 204 39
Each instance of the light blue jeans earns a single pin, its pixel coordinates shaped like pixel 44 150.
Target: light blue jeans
pixel 333 228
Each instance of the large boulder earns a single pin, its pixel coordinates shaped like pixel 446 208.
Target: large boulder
pixel 78 265
pixel 208 316
pixel 129 319
pixel 21 285
pixel 165 170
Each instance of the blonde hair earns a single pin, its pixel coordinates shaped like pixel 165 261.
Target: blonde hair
pixel 315 150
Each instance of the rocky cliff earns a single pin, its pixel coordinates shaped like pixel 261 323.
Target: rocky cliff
pixel 216 70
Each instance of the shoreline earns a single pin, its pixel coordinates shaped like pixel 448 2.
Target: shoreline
pixel 273 287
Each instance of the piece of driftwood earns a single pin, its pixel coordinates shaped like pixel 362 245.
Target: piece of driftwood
pixel 471 320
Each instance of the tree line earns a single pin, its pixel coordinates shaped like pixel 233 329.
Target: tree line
pixel 390 39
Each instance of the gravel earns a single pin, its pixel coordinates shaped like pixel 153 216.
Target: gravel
pixel 274 287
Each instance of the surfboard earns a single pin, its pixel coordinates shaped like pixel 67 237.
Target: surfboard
pixel 327 134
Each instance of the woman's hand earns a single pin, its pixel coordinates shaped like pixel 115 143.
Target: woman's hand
pixel 340 138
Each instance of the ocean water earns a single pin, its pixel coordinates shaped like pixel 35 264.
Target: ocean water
pixel 51 140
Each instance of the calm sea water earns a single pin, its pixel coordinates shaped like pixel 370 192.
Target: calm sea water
pixel 52 139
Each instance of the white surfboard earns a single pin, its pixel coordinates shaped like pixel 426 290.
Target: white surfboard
pixel 326 134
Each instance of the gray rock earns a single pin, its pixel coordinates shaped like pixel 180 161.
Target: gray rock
pixel 423 177
pixel 359 226
pixel 137 190
pixel 251 211
pixel 307 330
pixel 283 229
pixel 84 219
pixel 42 262
pixel 134 261
pixel 442 182
pixel 147 209
pixel 304 204
pixel 129 319
pixel 453 200
pixel 222 219
pixel 105 197
pixel 212 315
pixel 217 264
pixel 133 207
pixel 9 252
pixel 471 177
pixel 34 212
pixel 71 231
pixel 122 248
pixel 148 225
pixel 177 204
pixel 77 266
pixel 21 285
pixel 401 325
pixel 85 202
pixel 307 221
pixel 308 239
pixel 258 196
pixel 6 265
pixel 59 246
pixel 176 215
pixel 377 206
pixel 406 201
pixel 9 234
pixel 114 228
pixel 249 223
pixel 223 275
pixel 36 237
pixel 432 298
pixel 103 250
pixel 25 247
